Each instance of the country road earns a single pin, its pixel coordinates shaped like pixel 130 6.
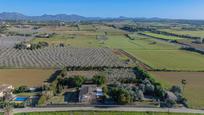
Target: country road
pixel 134 109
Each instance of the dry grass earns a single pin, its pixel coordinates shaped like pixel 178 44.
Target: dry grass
pixel 194 88
pixel 28 77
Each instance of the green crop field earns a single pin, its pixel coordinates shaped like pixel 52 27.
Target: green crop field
pixel 170 59
pixel 162 36
pixel 122 42
pixel 103 113
pixel 199 33
pixel 160 55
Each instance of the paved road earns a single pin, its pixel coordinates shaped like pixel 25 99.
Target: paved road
pixel 51 109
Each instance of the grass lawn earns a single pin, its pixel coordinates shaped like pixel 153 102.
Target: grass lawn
pixel 194 88
pixel 28 77
pixel 162 36
pixel 102 113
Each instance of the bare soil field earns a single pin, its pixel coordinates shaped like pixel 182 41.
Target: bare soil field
pixel 28 77
pixel 194 87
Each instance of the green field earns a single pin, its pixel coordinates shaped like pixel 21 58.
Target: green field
pixel 199 33
pixel 103 113
pixel 77 41
pixel 161 55
pixel 170 59
pixel 165 37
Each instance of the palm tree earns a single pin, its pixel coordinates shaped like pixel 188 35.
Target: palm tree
pixel 183 82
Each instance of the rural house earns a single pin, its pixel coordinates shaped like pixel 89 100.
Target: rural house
pixel 89 93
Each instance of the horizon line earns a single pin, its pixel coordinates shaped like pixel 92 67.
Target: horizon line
pixel 108 17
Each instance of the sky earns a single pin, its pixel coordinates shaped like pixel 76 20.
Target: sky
pixel 174 9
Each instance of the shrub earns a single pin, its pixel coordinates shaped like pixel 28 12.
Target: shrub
pixel 170 103
pixel 63 72
pixel 75 81
pixel 149 88
pixel 121 95
pixel 176 89
pixel 138 94
pixel 99 80
pixel 42 100
pixel 21 89
pixel 159 92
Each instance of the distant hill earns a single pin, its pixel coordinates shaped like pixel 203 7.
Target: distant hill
pixel 73 17
pixel 45 17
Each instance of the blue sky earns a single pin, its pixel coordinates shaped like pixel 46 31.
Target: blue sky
pixel 185 9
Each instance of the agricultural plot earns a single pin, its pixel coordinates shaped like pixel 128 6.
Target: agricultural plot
pixel 193 89
pixel 109 30
pixel 10 41
pixel 160 36
pixel 27 30
pixel 74 40
pixel 113 75
pixel 116 75
pixel 198 33
pixel 28 77
pixel 155 53
pixel 57 57
pixel 87 27
pixel 158 54
pixel 170 59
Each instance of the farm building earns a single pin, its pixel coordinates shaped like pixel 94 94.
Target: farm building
pixel 90 93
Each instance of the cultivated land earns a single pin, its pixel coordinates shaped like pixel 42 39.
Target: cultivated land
pixel 57 57
pixel 155 53
pixel 28 77
pixel 171 59
pixel 196 33
pixel 165 37
pixel 194 88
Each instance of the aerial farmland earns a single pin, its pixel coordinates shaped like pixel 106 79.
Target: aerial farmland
pixel 47 56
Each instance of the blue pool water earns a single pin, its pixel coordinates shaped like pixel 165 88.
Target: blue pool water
pixel 21 98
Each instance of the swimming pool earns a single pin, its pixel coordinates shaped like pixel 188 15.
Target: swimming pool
pixel 21 98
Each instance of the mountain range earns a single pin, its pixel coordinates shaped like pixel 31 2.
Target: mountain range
pixel 74 17
pixel 45 17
